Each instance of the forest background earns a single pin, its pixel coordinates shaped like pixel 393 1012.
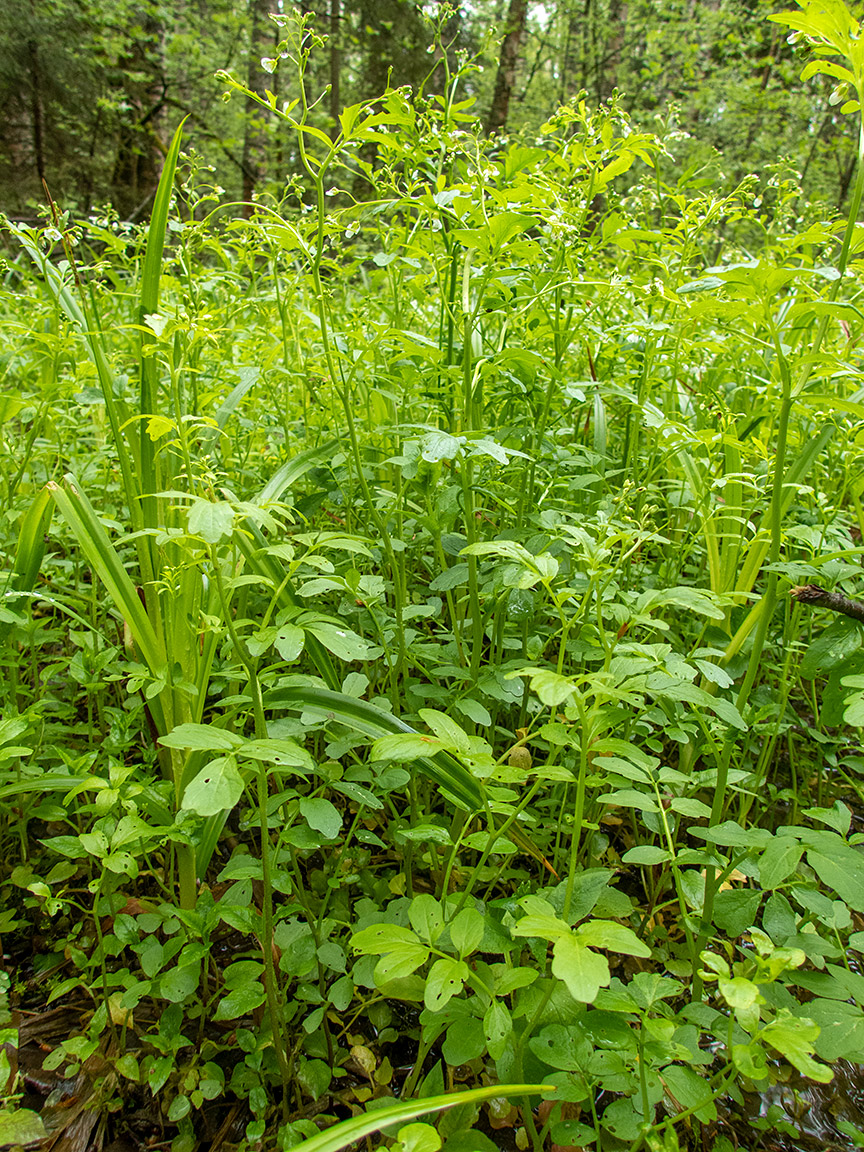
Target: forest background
pixel 92 91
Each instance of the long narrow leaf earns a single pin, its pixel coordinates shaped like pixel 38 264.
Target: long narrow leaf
pixel 253 545
pixel 76 313
pixel 106 563
pixel 454 780
pixel 149 304
pixel 31 542
pixel 348 1131
pixel 446 771
pixel 292 470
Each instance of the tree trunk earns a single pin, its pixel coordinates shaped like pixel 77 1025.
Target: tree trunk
pixel 254 136
pixel 137 163
pixel 36 111
pixel 335 66
pixel 508 61
pixel 569 54
pixel 607 75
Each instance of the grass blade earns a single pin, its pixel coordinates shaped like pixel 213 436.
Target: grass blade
pixel 348 1131
pixel 253 545
pixel 75 312
pixel 31 542
pixel 444 769
pixel 292 470
pixel 106 563
pixel 149 304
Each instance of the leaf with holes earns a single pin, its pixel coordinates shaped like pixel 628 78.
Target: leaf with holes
pixel 445 980
pixel 216 788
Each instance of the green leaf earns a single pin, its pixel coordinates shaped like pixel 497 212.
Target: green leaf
pixel 466 931
pixel 405 747
pixel 690 1090
pixel 691 807
pixel 466 1040
pixel 321 815
pixel 216 788
pixel 839 640
pixel 285 753
pixel 381 938
pixel 241 1001
pixel 498 1028
pixel 425 916
pixel 400 961
pixel 475 711
pixel 843 871
pixel 841 1029
pixel 178 984
pixel 342 642
pixel 447 730
pixel 794 1037
pixel 212 521
pixel 561 1046
pixel 735 911
pixel 437 446
pixel 288 642
pixel 583 971
pixel 646 854
pixel 20 1126
pixel 612 936
pixel 418 1138
pixel 552 689
pixel 445 980
pixel 348 1132
pixel 630 798
pixel 779 860
pixel 201 737
pixel 179 1107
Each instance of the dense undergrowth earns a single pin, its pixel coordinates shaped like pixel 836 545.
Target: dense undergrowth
pixel 402 690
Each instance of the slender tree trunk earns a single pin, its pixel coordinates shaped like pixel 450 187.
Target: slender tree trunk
pixel 567 66
pixel 607 75
pixel 335 65
pixel 508 62
pixel 144 86
pixel 254 135
pixel 36 111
